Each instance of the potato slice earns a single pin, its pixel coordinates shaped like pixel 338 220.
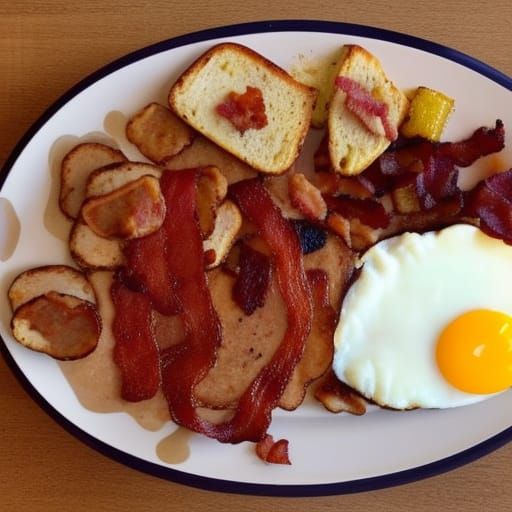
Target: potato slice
pixel 135 210
pixel 212 188
pixel 106 180
pixel 158 133
pixel 203 152
pixel 75 169
pixel 42 280
pixel 60 325
pixel 227 226
pixel 92 251
pixel 306 198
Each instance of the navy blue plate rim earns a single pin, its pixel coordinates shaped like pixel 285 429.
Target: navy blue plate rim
pixel 211 483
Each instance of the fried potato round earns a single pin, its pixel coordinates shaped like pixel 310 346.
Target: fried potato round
pixel 41 280
pixel 60 325
pixel 76 167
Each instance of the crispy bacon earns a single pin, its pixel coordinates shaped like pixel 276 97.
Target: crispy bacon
pixel 146 271
pixel 368 211
pixel 265 391
pixel 484 141
pixel 306 198
pixel 491 202
pixel 443 214
pixel 414 191
pixel 184 365
pixel 251 285
pixel 244 111
pixel 435 162
pixel 439 178
pixel 274 452
pixel 374 114
pixel 135 350
pixel 332 184
pixel 421 178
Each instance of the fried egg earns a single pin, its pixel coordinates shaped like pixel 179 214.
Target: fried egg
pixel 427 322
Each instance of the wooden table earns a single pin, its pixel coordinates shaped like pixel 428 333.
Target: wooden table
pixel 47 46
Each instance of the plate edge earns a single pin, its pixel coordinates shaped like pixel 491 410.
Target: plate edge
pixel 210 483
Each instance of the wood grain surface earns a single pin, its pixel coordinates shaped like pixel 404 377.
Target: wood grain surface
pixel 45 48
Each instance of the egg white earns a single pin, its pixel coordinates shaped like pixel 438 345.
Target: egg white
pixel 410 287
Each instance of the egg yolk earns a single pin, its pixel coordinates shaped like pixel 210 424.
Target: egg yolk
pixel 474 352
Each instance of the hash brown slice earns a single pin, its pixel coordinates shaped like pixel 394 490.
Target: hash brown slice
pixel 158 133
pixel 76 167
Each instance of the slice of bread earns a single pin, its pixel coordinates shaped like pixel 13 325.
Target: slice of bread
pixel 352 146
pixel 231 67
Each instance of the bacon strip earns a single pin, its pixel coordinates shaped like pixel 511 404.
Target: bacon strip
pixel 146 271
pixel 362 104
pixel 273 452
pixel 135 351
pixel 368 211
pixel 484 141
pixel 186 365
pixel 306 198
pixel 437 161
pixel 245 110
pixel 252 282
pixel 491 202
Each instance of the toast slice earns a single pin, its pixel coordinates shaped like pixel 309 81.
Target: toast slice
pixel 352 145
pixel 228 68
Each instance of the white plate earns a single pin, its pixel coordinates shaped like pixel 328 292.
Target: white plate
pixel 331 453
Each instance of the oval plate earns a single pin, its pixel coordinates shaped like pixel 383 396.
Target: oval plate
pixel 332 454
